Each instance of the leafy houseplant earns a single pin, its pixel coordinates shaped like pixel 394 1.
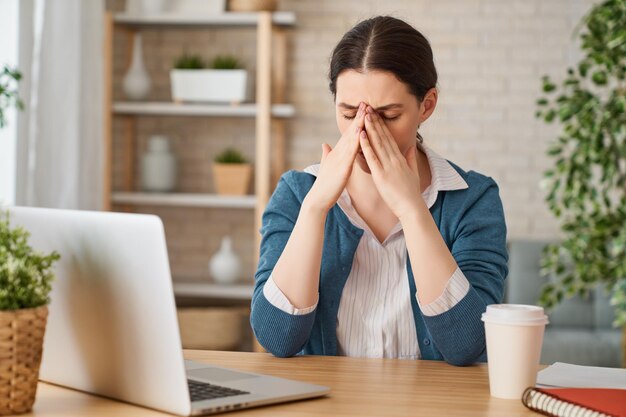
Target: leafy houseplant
pixel 587 185
pixel 9 79
pixel 226 62
pixel 230 156
pixel 224 82
pixel 188 61
pixel 25 284
pixel 232 172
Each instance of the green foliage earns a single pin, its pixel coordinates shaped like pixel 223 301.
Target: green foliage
pixel 226 62
pixel 587 185
pixel 9 97
pixel 25 275
pixel 189 61
pixel 230 156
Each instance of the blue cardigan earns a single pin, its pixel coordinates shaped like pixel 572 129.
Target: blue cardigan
pixel 472 224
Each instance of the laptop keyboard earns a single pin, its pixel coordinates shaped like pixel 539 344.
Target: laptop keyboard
pixel 202 391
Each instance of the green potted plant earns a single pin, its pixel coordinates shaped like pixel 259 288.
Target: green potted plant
pixel 9 79
pixel 25 284
pixel 224 82
pixel 231 172
pixel 587 185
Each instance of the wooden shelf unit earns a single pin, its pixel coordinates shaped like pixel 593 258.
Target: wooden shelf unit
pixel 155 108
pixel 184 200
pixel 269 110
pixel 223 19
pixel 197 289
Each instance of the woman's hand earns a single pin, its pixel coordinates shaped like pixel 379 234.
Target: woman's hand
pixel 336 165
pixel 396 175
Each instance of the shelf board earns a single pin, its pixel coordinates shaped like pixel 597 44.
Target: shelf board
pixel 213 291
pixel 155 108
pixel 184 200
pixel 185 19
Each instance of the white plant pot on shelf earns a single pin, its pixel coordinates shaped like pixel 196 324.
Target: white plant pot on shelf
pixel 210 7
pixel 209 85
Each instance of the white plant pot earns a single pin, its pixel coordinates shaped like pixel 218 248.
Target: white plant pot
pixel 209 85
pixel 199 6
pixel 152 7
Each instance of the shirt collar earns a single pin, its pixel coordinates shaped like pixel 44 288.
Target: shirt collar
pixel 443 176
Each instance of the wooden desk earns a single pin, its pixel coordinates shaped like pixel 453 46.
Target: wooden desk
pixel 360 387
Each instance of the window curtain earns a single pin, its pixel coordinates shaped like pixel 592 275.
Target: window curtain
pixel 60 131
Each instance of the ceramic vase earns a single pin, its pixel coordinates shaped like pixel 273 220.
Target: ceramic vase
pixel 225 266
pixel 136 82
pixel 158 166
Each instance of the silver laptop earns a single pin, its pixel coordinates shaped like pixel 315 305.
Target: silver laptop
pixel 112 326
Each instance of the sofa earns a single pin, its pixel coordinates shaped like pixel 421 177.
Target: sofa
pixel 580 329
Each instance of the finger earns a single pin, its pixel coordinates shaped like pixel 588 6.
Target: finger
pixel 350 135
pixel 375 140
pixel 411 158
pixel 359 121
pixel 387 140
pixel 370 156
pixel 358 125
pixel 325 150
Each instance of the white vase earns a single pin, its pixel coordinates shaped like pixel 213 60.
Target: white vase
pixel 225 266
pixel 158 166
pixel 136 82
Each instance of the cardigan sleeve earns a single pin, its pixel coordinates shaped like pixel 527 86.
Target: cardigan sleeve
pixel 479 248
pixel 454 291
pixel 278 299
pixel 279 332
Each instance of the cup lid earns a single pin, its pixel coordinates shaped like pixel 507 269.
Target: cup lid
pixel 516 314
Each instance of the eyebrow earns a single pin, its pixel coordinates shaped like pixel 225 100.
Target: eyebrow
pixel 381 108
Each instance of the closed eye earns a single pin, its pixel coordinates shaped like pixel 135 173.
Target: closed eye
pixel 350 117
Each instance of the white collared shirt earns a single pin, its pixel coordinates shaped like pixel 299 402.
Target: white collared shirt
pixel 375 318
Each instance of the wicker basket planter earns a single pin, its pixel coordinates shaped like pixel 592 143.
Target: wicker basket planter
pixel 211 328
pixel 21 345
pixel 232 179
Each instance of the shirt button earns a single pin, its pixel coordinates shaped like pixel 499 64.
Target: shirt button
pixel 427 342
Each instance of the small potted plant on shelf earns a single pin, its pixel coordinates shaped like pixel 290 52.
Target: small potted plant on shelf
pixel 231 173
pixel 224 82
pixel 25 284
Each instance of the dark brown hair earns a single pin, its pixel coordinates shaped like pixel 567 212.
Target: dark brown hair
pixel 385 43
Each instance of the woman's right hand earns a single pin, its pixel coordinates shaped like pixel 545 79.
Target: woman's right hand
pixel 336 165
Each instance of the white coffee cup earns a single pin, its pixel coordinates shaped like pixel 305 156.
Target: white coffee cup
pixel 514 337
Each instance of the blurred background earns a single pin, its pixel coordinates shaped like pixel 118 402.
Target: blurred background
pixel 115 117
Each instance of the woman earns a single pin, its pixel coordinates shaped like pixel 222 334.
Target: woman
pixel 384 249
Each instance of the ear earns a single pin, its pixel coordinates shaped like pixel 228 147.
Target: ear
pixel 325 150
pixel 429 102
pixel 411 158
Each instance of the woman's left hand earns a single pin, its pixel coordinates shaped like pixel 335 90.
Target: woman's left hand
pixel 395 175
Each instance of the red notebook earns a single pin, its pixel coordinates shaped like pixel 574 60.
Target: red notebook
pixel 575 401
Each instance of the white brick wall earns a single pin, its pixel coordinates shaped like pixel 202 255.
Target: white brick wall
pixel 490 56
